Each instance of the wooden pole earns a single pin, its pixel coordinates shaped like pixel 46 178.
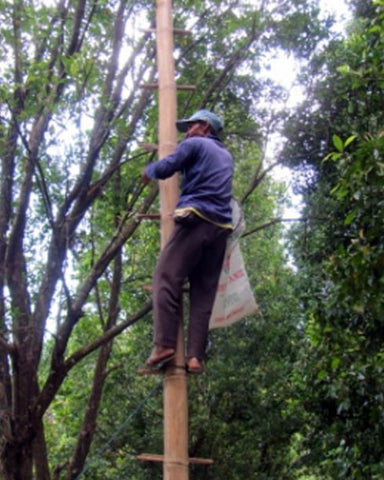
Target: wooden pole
pixel 175 464
pixel 169 191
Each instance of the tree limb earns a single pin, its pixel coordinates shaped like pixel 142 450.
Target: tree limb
pixel 237 57
pixel 274 222
pixel 257 179
pixel 58 374
pixel 107 336
pixel 87 431
pixel 118 34
pixel 75 312
pixel 78 19
pixel 83 197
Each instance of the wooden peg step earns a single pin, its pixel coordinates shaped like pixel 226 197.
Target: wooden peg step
pixel 149 288
pixel 159 371
pixel 189 88
pixel 181 31
pixel 149 86
pixel 150 371
pixel 148 216
pixel 155 86
pixel 149 457
pixel 150 147
pixel 177 31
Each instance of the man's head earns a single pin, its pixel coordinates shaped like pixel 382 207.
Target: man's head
pixel 201 123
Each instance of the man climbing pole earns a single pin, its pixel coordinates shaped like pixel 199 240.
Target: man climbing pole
pixel 196 248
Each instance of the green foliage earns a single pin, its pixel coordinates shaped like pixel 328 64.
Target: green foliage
pixel 339 253
pixel 72 114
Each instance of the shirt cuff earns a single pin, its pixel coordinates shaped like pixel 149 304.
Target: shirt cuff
pixel 150 170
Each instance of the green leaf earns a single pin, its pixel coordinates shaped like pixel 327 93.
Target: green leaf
pixel 335 189
pixel 342 192
pixel 335 363
pixel 333 156
pixel 349 140
pixel 344 69
pixel 322 375
pixel 338 143
pixel 349 218
pixel 375 29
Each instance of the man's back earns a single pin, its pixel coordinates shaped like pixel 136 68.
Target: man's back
pixel 207 178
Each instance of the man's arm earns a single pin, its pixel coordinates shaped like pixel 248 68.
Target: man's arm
pixel 174 162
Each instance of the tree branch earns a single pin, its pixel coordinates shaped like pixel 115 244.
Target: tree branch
pixel 60 371
pixel 124 232
pixel 78 19
pixel 257 179
pixel 279 220
pixel 118 34
pixel 106 337
pixel 87 431
pixel 83 198
pixel 237 57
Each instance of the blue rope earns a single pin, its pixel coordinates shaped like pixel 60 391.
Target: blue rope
pixel 121 428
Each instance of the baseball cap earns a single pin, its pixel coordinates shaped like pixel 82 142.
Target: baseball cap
pixel 201 115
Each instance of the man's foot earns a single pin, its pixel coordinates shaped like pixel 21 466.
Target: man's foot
pixel 160 356
pixel 194 365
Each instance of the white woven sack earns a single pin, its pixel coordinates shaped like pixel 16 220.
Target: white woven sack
pixel 234 298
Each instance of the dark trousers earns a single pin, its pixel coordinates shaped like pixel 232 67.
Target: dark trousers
pixel 195 251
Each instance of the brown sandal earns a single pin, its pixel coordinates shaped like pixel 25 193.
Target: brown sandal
pixel 194 366
pixel 158 359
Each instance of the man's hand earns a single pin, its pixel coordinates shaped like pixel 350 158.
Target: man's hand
pixel 144 177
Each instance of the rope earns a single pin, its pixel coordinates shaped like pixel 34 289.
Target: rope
pixel 121 428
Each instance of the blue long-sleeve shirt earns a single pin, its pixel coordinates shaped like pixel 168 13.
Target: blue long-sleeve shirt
pixel 207 169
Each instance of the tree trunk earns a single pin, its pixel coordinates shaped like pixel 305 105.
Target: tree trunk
pixel 17 460
pixel 89 422
pixel 24 424
pixel 40 455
